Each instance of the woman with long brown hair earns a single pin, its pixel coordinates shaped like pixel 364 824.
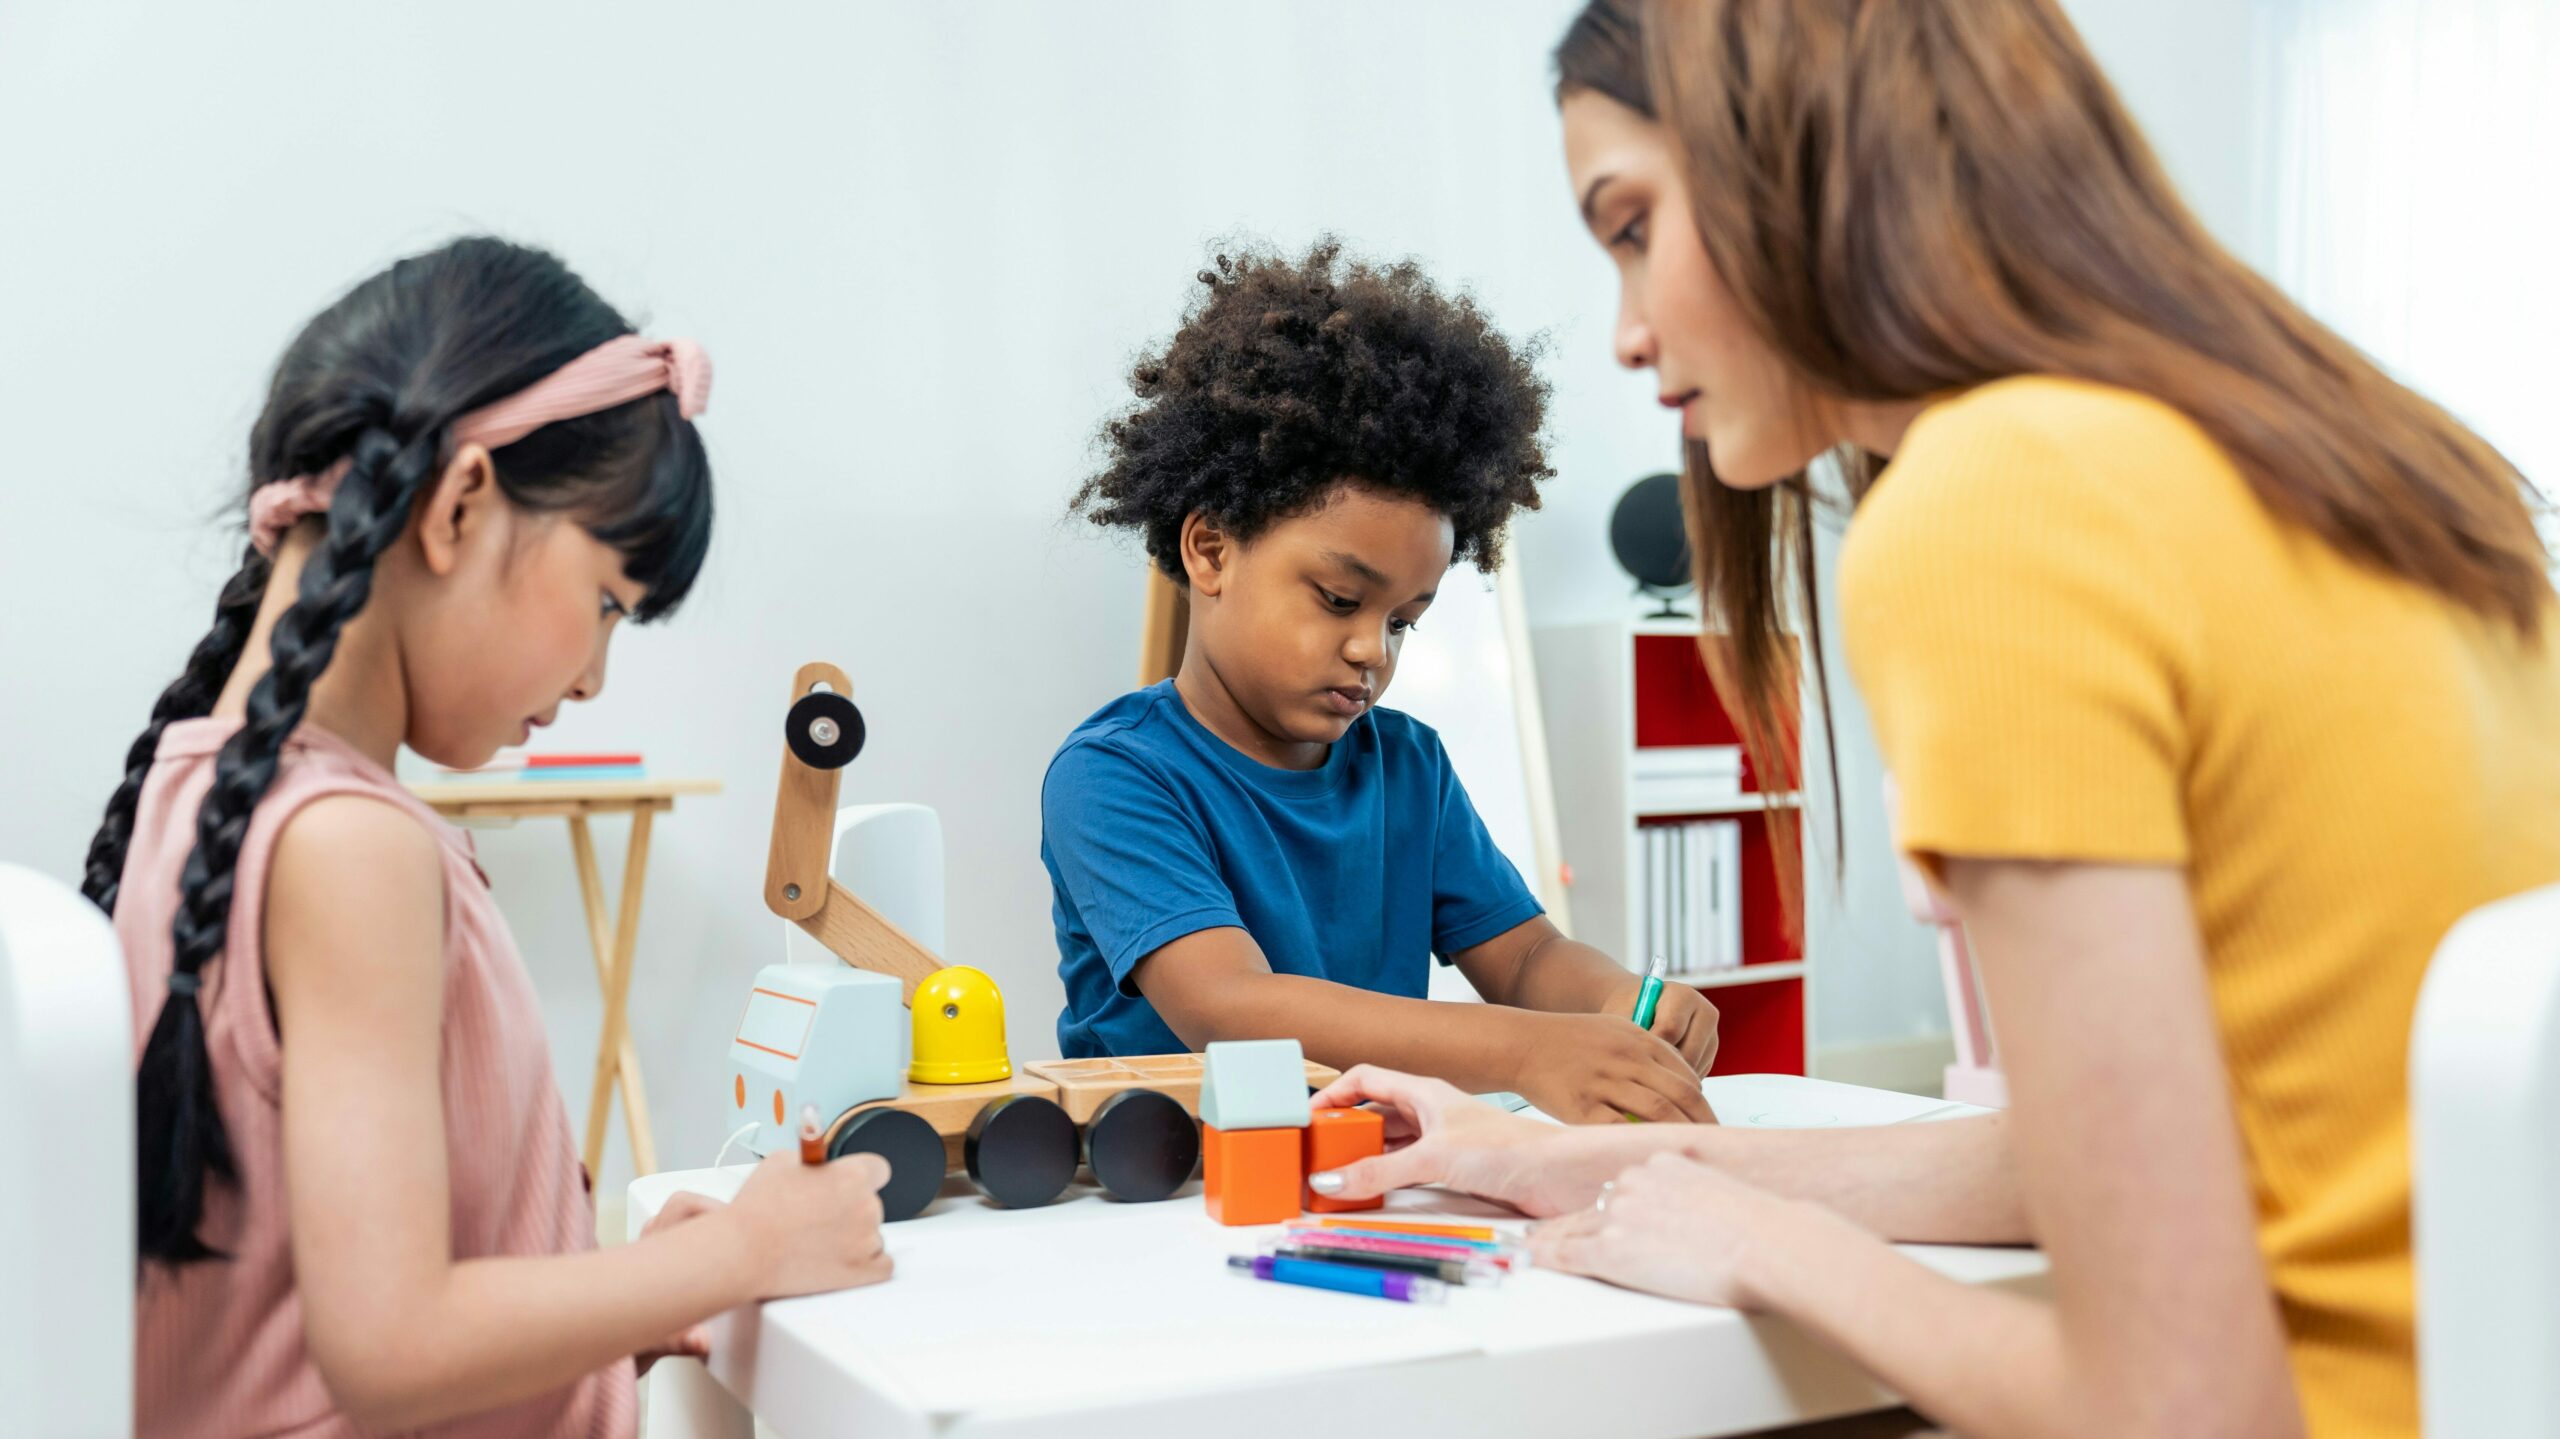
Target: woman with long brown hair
pixel 2213 667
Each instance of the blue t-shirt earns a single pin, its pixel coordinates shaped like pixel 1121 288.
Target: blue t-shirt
pixel 1355 872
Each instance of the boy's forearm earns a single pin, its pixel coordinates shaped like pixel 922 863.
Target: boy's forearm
pixel 1947 1182
pixel 1565 976
pixel 1473 1046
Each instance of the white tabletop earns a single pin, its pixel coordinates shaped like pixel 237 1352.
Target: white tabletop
pixel 1118 1321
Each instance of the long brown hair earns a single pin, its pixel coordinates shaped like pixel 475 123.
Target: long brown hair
pixel 1910 197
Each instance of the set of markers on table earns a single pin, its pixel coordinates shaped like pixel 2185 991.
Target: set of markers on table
pixel 1410 1263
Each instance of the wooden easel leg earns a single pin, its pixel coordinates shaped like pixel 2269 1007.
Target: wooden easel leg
pixel 600 938
pixel 617 1057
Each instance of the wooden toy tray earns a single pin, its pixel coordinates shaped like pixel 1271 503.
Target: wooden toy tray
pixel 1083 1084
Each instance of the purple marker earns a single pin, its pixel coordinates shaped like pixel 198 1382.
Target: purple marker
pixel 1341 1278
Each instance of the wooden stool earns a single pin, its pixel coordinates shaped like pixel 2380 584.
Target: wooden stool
pixel 577 801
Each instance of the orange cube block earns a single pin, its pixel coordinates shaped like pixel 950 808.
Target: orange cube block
pixel 1252 1174
pixel 1336 1137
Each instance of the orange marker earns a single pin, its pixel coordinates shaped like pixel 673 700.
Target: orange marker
pixel 813 1144
pixel 1481 1233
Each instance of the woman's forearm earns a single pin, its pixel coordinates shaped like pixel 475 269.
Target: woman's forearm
pixel 1934 1341
pixel 1946 1182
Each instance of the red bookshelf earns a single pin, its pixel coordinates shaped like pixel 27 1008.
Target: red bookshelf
pixel 1610 693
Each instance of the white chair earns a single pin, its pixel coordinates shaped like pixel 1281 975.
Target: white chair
pixel 890 857
pixel 1974 1077
pixel 66 1129
pixel 2484 1114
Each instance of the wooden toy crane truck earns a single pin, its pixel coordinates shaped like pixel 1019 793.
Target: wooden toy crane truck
pixel 837 1039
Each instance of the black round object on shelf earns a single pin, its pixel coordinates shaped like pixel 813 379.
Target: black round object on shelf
pixel 1651 540
pixel 1021 1151
pixel 1142 1145
pixel 913 1150
pixel 824 730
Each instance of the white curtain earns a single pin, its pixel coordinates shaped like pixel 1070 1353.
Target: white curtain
pixel 2412 193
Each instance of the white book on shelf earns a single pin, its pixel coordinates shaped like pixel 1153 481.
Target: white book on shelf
pixel 1665 886
pixel 1680 958
pixel 1710 919
pixel 1640 882
pixel 1728 881
pixel 1670 894
pixel 1702 911
pixel 1652 892
pixel 1667 890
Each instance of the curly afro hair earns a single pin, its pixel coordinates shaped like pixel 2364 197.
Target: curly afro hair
pixel 1293 377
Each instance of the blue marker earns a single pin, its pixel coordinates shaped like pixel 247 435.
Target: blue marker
pixel 1341 1278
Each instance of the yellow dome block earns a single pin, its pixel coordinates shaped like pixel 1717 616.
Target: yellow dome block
pixel 959 1029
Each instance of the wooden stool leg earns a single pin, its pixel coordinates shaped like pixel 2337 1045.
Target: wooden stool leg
pixel 600 938
pixel 617 1057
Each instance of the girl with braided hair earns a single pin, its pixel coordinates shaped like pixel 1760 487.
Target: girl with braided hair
pixel 360 1208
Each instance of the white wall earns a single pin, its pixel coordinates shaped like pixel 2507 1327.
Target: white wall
pixel 923 244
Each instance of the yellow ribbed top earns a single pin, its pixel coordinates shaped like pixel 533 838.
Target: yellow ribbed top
pixel 2082 638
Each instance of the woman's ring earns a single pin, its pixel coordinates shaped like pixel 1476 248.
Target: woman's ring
pixel 1607 1188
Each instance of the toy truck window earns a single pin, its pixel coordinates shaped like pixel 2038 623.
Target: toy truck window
pixel 777 1023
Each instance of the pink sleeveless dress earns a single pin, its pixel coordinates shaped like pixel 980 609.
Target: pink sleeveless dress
pixel 218 1346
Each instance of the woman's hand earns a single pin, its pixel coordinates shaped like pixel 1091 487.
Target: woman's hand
pixel 1437 1134
pixel 812 1228
pixel 1675 1227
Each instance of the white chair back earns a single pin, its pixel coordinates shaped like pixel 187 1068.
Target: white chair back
pixel 1974 1075
pixel 2484 1114
pixel 66 1139
pixel 890 857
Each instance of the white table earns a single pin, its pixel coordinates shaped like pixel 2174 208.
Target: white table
pixel 1093 1318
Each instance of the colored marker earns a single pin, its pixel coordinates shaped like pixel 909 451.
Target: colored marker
pixel 1485 1233
pixel 1429 1241
pixel 1459 1249
pixel 1400 1236
pixel 1340 1278
pixel 813 1143
pixel 1447 1271
pixel 1651 994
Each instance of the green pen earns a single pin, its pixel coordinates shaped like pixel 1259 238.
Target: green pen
pixel 1651 994
pixel 1646 999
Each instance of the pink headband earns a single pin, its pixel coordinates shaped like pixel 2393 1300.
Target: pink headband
pixel 615 372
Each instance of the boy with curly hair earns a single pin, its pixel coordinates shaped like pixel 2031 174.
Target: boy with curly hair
pixel 1253 848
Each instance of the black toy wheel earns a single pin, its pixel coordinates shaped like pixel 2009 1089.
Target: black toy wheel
pixel 1021 1151
pixel 913 1150
pixel 824 730
pixel 1142 1145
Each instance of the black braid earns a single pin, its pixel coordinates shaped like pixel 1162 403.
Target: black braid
pixel 189 696
pixel 181 1143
